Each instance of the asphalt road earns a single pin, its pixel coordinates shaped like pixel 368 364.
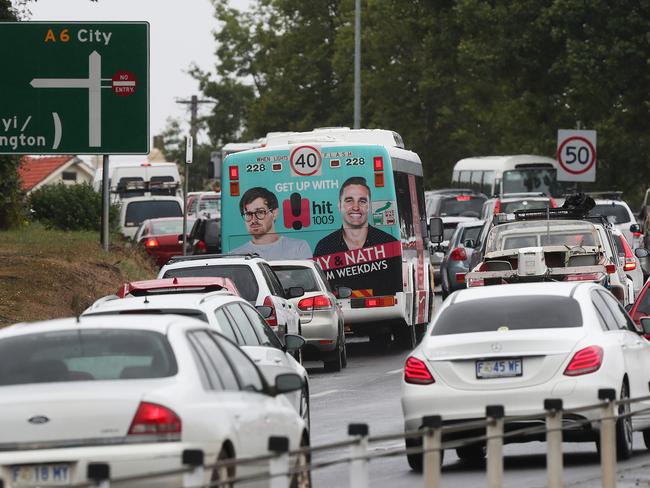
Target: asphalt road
pixel 368 391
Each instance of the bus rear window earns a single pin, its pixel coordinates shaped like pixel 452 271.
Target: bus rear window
pixel 137 212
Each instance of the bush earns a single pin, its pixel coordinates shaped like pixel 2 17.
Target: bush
pixel 71 207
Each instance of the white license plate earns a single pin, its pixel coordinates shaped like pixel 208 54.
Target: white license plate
pixel 40 475
pixel 498 368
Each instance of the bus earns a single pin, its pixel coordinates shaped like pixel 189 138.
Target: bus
pixel 353 201
pixel 498 175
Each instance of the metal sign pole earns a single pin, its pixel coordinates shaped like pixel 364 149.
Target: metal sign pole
pixel 105 202
pixel 188 160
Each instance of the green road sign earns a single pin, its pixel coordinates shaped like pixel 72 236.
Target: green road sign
pixel 74 88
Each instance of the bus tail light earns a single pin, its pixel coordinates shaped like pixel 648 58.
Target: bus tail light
pixel 234 188
pixel 379 179
pixel 233 173
pixel 272 319
pixel 373 302
pixel 378 163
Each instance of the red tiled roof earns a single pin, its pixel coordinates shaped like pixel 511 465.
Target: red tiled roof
pixel 33 170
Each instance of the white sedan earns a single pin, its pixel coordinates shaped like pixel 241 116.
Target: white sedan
pixel 133 392
pixel 517 345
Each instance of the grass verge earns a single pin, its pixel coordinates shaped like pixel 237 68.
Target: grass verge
pixel 50 273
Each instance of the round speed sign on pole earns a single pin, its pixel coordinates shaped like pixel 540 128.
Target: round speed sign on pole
pixel 576 155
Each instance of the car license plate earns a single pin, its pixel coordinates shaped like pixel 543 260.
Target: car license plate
pixel 40 475
pixel 498 368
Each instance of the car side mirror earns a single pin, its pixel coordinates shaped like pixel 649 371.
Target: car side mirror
pixel 343 292
pixel 435 229
pixel 295 292
pixel 645 325
pixel 293 342
pixel 470 243
pixel 265 312
pixel 635 228
pixel 641 252
pixel 287 382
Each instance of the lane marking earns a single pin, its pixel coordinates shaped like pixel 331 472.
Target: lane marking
pixel 394 371
pixel 324 393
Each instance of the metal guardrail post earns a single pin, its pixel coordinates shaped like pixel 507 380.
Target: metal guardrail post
pixel 554 464
pixel 359 467
pixel 194 459
pixel 99 474
pixel 431 445
pixel 494 432
pixel 608 437
pixel 279 464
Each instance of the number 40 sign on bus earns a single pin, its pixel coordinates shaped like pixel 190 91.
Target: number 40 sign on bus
pixel 576 155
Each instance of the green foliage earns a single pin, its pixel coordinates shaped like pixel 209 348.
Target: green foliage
pixel 71 207
pixel 454 78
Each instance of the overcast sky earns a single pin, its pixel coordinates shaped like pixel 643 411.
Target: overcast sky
pixel 180 33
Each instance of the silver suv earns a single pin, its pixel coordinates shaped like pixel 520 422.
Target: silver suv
pixel 254 279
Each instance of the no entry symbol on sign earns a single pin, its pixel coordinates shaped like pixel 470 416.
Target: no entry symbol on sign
pixel 123 83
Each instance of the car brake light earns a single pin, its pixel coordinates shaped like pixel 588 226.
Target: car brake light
pixel 200 246
pixel 319 302
pixel 463 198
pixel 458 254
pixel 151 243
pixel 153 419
pixel 553 202
pixel 417 373
pixel 585 361
pixel 610 268
pixel 272 319
pixel 497 206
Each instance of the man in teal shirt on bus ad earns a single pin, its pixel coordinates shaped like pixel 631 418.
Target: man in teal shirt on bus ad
pixel 259 209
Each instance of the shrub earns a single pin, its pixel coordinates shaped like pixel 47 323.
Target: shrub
pixel 71 207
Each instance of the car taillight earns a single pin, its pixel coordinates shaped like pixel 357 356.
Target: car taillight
pixel 463 198
pixel 585 277
pixel 319 302
pixel 272 319
pixel 630 264
pixel 585 361
pixel 475 282
pixel 200 246
pixel 417 373
pixel 497 206
pixel 151 243
pixel 553 202
pixel 153 419
pixel 610 268
pixel 458 254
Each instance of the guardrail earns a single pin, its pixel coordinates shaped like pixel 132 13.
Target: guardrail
pixel 293 468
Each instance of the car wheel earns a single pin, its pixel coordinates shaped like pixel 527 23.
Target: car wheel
pixel 471 453
pixel 302 479
pixel 222 473
pixel 646 438
pixel 335 364
pixel 624 433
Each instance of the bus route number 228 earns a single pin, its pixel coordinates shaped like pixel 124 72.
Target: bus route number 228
pixel 255 168
pixel 355 161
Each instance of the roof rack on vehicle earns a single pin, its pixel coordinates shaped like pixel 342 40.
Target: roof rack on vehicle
pixel 197 257
pixel 606 195
pixel 550 214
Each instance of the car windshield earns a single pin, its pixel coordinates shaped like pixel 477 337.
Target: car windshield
pixel 240 274
pixel 471 233
pixel 297 276
pixel 161 227
pixel 136 212
pixel 211 206
pixel 615 213
pixel 461 206
pixel 508 313
pixel 85 355
pixel 516 235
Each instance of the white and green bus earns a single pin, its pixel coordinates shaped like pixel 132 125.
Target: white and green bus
pixel 353 201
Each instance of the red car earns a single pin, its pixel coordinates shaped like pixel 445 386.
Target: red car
pixel 177 285
pixel 159 237
pixel 641 307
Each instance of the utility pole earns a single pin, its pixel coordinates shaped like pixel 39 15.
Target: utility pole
pixel 357 64
pixel 194 127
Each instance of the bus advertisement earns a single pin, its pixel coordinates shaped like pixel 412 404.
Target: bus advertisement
pixel 357 209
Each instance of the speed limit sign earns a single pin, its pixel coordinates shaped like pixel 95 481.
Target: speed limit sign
pixel 576 155
pixel 305 161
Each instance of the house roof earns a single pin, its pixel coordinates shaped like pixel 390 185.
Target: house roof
pixel 33 169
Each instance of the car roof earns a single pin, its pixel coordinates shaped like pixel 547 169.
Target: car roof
pixel 308 263
pixel 518 289
pixel 186 301
pixel 156 323
pixel 200 260
pixel 603 201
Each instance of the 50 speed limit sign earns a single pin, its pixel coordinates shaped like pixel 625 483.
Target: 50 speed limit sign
pixel 576 155
pixel 306 161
